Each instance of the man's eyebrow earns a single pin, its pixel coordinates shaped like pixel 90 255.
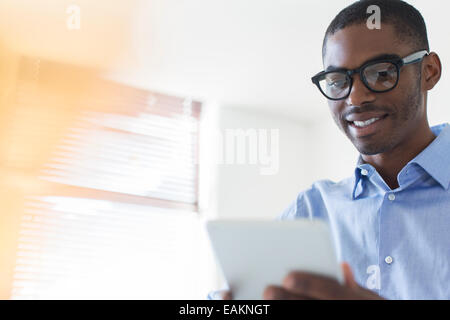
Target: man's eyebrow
pixel 378 57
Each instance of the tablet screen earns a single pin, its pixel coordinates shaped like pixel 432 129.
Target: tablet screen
pixel 254 254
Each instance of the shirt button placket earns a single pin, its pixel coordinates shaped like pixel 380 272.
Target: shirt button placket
pixel 388 260
pixel 386 247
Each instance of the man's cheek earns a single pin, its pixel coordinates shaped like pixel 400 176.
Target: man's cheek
pixel 342 124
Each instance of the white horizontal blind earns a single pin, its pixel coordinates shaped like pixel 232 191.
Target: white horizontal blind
pixel 72 248
pixel 149 155
pixel 114 213
pixel 108 136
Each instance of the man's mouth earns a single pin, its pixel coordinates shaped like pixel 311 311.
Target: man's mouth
pixel 362 125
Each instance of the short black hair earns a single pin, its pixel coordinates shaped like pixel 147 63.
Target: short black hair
pixel 407 21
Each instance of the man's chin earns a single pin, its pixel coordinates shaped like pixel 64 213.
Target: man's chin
pixel 371 144
pixel 369 149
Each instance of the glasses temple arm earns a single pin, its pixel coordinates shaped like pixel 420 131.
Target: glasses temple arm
pixel 415 57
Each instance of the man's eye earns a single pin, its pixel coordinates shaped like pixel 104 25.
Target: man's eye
pixel 337 84
pixel 383 74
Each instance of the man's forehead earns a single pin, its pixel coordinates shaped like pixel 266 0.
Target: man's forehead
pixel 352 46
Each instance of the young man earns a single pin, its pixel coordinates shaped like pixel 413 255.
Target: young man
pixel 391 218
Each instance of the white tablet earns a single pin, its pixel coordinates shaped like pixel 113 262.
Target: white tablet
pixel 254 254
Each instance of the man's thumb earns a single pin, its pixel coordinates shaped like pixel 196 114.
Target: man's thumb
pixel 348 276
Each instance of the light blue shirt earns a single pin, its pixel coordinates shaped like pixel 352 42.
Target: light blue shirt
pixel 396 241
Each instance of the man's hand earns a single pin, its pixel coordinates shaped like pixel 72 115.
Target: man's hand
pixel 308 286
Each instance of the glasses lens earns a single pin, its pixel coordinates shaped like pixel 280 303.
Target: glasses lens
pixel 381 76
pixel 335 85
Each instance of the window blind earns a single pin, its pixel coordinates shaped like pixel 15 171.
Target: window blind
pixel 75 248
pixel 111 186
pixel 102 135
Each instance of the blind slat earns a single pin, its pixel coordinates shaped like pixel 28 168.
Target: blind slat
pixel 104 146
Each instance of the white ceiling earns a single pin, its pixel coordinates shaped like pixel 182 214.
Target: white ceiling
pixel 247 53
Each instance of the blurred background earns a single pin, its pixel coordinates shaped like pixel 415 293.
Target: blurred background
pixel 124 125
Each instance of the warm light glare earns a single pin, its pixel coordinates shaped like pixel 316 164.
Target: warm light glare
pixel 100 188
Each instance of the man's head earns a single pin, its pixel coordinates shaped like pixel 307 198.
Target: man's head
pixel 407 21
pixel 401 112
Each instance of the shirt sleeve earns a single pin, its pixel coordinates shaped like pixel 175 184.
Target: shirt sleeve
pixel 308 204
pixel 296 209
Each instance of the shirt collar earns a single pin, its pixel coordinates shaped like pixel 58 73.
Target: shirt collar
pixel 360 166
pixel 434 159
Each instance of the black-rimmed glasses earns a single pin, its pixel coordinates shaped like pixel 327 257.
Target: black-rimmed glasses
pixel 378 76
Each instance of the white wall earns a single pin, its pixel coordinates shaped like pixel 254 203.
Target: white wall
pixel 243 190
pixel 307 152
pixel 332 156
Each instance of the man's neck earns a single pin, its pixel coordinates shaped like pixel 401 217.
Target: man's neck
pixel 389 164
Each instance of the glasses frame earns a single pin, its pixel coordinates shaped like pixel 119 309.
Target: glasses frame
pixel 398 62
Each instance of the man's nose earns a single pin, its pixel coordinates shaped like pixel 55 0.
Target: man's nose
pixel 359 94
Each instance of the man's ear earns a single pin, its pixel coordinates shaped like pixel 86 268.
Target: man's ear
pixel 432 69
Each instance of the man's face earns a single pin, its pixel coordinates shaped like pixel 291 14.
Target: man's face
pixel 400 111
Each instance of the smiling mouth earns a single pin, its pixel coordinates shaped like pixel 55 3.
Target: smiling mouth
pixel 366 128
pixel 366 123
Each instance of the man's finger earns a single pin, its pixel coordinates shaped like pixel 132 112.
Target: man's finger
pixel 316 286
pixel 226 295
pixel 348 276
pixel 279 293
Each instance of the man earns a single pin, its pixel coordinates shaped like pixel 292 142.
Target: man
pixel 391 219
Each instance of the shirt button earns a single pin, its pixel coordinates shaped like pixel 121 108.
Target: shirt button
pixel 391 196
pixel 388 259
pixel 364 172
